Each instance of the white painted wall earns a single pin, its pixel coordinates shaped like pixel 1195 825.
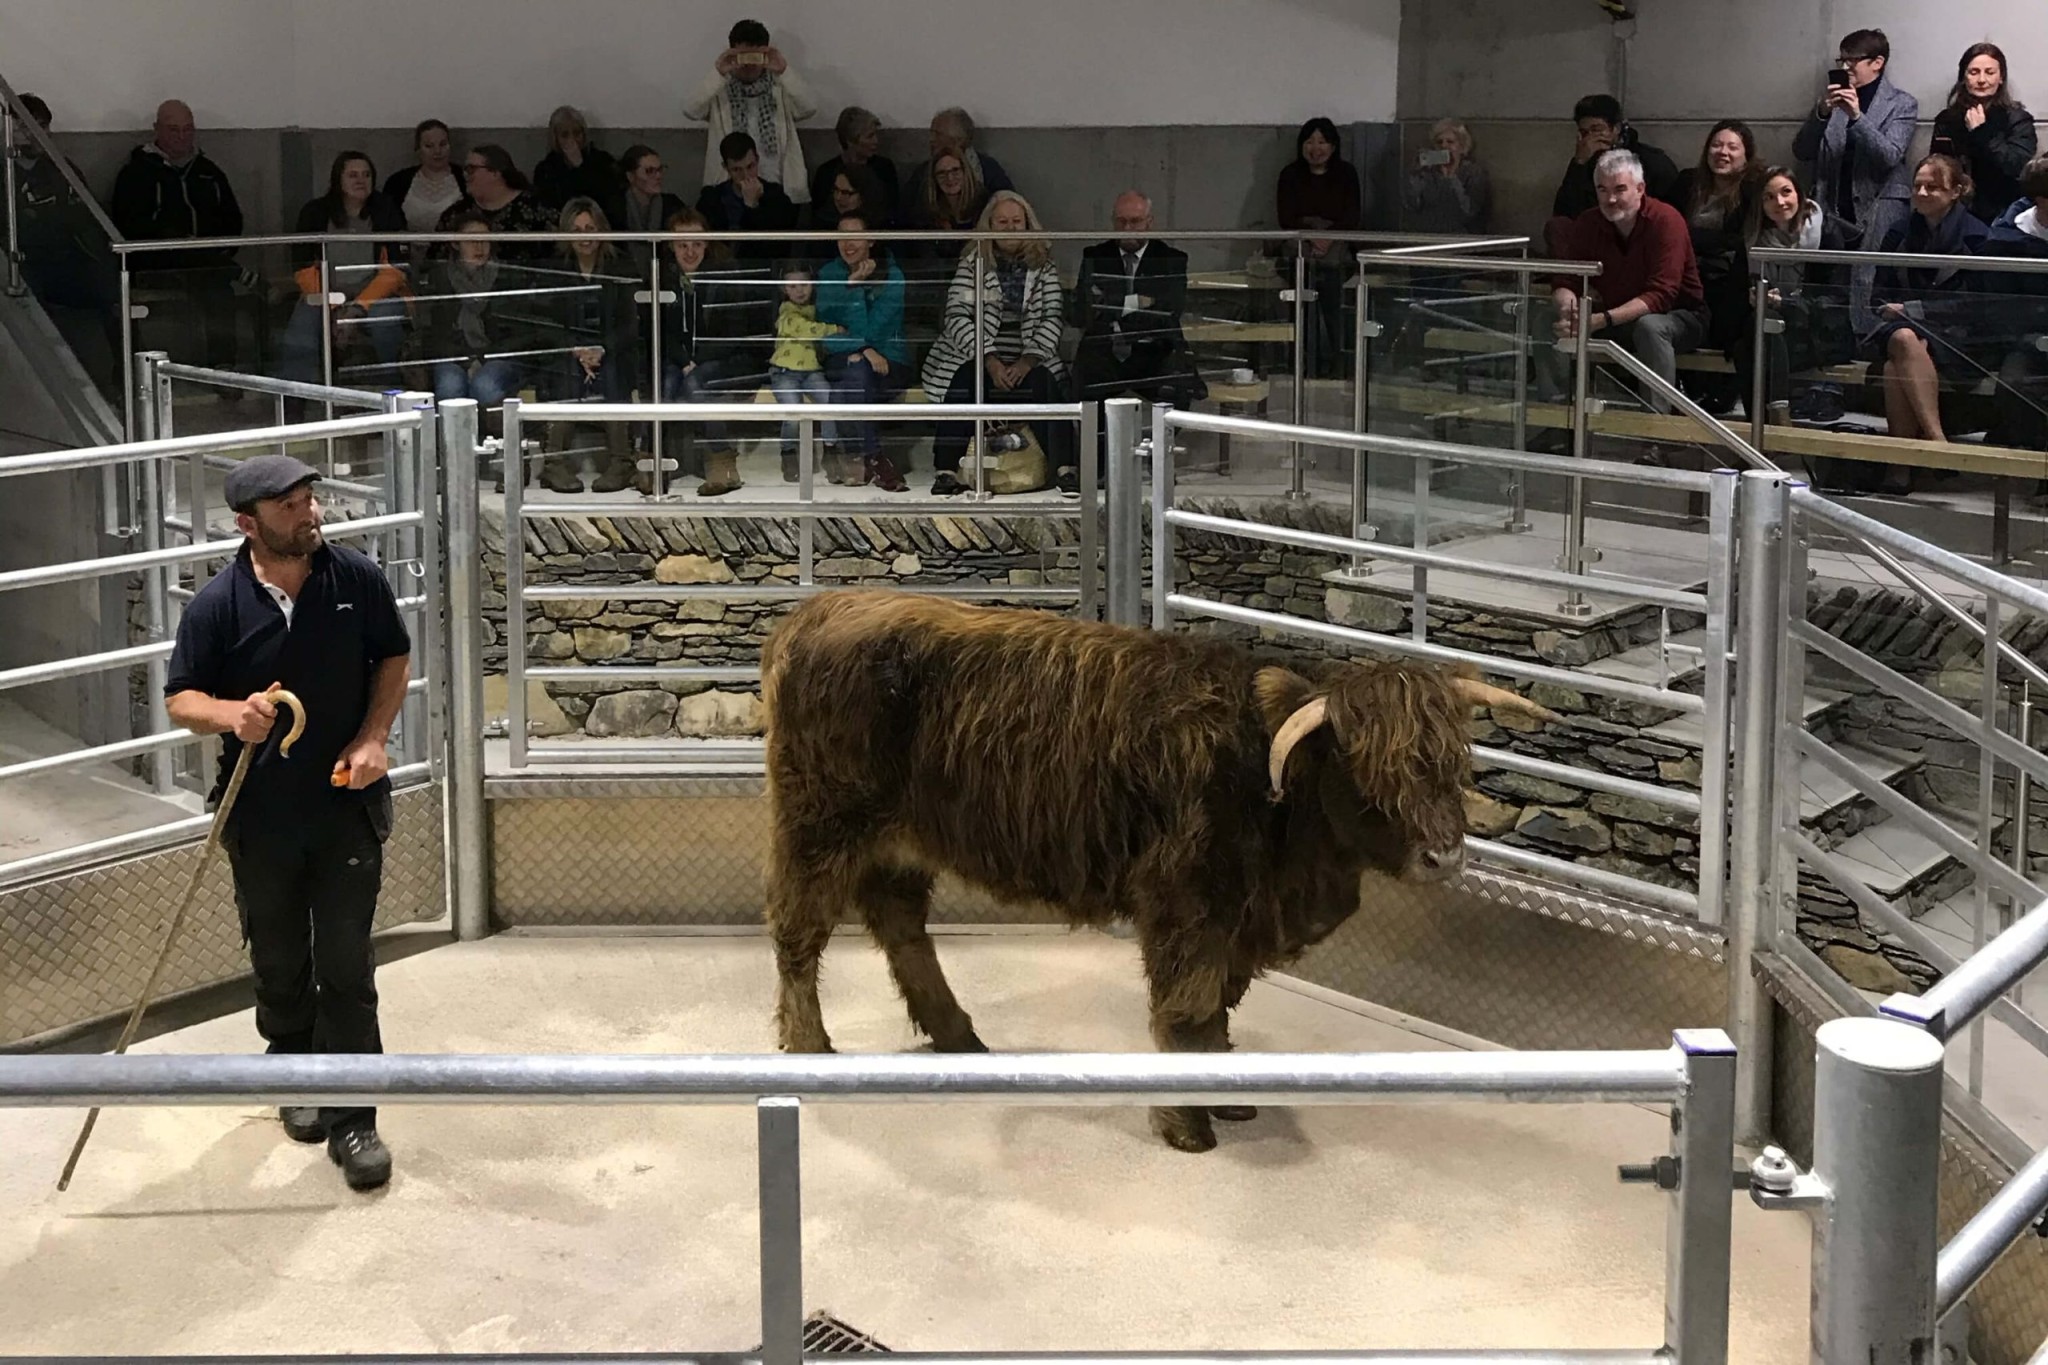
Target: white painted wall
pixel 486 63
pixel 1753 59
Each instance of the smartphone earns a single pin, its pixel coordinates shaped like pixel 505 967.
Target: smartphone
pixel 1435 156
pixel 1838 78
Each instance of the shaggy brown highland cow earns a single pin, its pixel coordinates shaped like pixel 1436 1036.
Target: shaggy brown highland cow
pixel 1226 807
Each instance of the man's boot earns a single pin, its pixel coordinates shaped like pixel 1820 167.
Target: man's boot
pixel 721 473
pixel 617 474
pixel 302 1123
pixel 364 1159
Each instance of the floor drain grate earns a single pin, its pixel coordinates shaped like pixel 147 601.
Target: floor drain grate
pixel 827 1335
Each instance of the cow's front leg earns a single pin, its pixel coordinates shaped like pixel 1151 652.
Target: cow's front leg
pixel 1187 989
pixel 1234 988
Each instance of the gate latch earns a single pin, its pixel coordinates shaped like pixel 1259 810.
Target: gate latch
pixel 1776 1182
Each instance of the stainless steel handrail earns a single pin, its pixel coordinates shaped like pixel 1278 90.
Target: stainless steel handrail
pixel 833 235
pixel 62 163
pixel 58 461
pixel 1508 266
pixel 283 388
pixel 1761 258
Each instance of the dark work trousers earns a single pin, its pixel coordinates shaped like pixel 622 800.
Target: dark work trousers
pixel 307 889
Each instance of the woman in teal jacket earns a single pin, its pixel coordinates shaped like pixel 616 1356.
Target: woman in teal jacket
pixel 869 362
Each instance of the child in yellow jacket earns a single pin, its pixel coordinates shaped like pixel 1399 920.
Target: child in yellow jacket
pixel 794 370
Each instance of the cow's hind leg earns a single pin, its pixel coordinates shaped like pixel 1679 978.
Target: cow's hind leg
pixel 894 901
pixel 800 916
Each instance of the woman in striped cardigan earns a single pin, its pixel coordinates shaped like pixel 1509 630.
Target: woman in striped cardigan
pixel 1021 324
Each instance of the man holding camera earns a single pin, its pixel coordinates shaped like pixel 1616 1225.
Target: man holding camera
pixel 752 89
pixel 1857 140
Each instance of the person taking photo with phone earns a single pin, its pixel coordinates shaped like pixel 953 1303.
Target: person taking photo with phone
pixel 1448 192
pixel 1856 139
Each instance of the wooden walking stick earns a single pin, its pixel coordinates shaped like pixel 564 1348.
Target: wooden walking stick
pixel 276 696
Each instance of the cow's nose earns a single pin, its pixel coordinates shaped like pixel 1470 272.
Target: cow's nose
pixel 1444 863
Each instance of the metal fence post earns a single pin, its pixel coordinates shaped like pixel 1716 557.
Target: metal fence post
pixel 1361 415
pixel 1877 1152
pixel 1574 560
pixel 1518 488
pixel 980 446
pixel 1700 1224
pixel 327 354
pixel 1297 478
pixel 469 863
pixel 515 585
pixel 1126 528
pixel 657 476
pixel 1759 605
pixel 1759 379
pixel 156 594
pixel 1162 502
pixel 782 1231
pixel 15 287
pixel 1091 595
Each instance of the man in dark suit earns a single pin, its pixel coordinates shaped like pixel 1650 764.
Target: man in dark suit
pixel 1128 304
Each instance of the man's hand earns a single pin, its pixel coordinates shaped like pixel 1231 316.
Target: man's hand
pixel 254 721
pixel 1892 310
pixel 750 191
pixel 1567 312
pixel 363 763
pixel 589 357
pixel 776 61
pixel 728 62
pixel 1591 145
pixel 1320 246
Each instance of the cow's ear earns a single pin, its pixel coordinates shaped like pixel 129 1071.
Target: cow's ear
pixel 1280 693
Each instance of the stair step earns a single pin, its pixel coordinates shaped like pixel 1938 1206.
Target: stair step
pixel 1821 792
pixel 1691 729
pixel 1893 857
pixel 1644 664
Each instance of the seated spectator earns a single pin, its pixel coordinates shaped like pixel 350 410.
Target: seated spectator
pixel 1810 300
pixel 1925 317
pixel 645 205
pixel 169 189
pixel 1128 303
pixel 497 191
pixel 573 168
pixel 704 357
pixel 855 190
pixel 752 90
pixel 471 328
pixel 948 196
pixel 2020 407
pixel 371 324
pixel 1448 192
pixel 1648 291
pixel 1016 337
pixel 66 260
pixel 1601 129
pixel 1987 130
pixel 795 370
pixel 1319 191
pixel 432 185
pixel 599 323
pixel 861 291
pixel 1718 198
pixel 744 201
pixel 860 135
pixel 1856 140
pixel 953 131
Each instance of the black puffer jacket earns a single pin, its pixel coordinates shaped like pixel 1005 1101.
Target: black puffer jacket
pixel 156 201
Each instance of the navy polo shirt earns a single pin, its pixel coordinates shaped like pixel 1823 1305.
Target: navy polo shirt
pixel 234 641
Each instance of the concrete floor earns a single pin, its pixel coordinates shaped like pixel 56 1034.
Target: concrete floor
pixel 76 806
pixel 934 1228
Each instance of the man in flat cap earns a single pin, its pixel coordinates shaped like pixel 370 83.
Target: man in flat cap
pixel 305 839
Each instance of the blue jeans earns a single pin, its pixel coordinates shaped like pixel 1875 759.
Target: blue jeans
pixel 702 383
pixel 790 387
pixel 854 381
pixel 384 329
pixel 493 382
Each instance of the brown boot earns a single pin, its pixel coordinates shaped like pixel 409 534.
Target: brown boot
pixel 559 474
pixel 881 472
pixel 721 474
pixel 617 474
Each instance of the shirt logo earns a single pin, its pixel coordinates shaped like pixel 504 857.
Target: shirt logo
pixel 344 606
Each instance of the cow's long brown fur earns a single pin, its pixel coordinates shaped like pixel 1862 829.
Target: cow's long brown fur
pixel 1105 771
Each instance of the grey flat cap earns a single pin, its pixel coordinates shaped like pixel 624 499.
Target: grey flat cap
pixel 265 476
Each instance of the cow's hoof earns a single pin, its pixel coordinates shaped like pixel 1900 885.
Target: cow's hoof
pixel 1186 1130
pixel 970 1043
pixel 1233 1113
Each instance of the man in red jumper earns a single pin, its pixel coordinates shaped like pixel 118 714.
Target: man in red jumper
pixel 1647 296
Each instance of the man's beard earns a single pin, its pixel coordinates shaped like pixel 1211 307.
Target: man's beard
pixel 296 545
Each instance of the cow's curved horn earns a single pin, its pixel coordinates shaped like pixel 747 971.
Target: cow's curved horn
pixel 1481 694
pixel 1295 729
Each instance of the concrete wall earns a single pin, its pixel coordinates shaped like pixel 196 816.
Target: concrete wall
pixel 1194 101
pixel 1513 72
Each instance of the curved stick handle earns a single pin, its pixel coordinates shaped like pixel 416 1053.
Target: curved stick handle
pixel 279 696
